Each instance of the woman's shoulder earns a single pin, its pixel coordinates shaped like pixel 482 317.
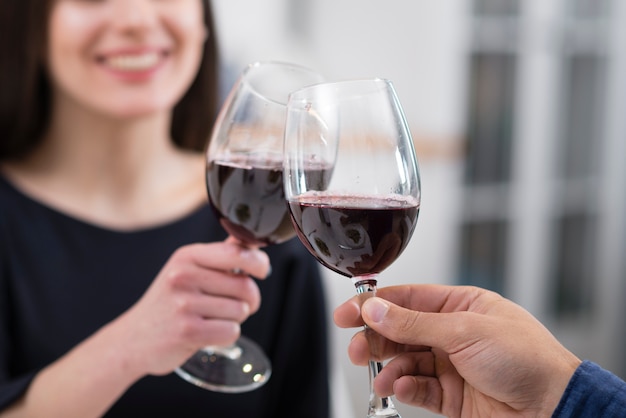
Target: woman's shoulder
pixel 15 204
pixel 10 197
pixel 13 199
pixel 20 214
pixel 13 211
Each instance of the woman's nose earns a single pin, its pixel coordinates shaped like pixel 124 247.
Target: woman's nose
pixel 133 15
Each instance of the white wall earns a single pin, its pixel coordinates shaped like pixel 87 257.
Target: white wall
pixel 417 44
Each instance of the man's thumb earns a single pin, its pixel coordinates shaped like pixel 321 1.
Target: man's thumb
pixel 375 310
pixel 391 321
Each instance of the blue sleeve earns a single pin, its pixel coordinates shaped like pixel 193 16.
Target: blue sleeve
pixel 592 392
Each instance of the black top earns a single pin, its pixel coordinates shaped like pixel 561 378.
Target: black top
pixel 62 278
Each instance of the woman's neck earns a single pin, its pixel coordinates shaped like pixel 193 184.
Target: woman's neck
pixel 123 174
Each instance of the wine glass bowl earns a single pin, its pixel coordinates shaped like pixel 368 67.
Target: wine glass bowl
pixel 244 157
pixel 248 197
pixel 354 236
pixel 244 180
pixel 361 218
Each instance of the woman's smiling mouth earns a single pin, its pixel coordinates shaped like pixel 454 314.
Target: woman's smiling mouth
pixel 133 62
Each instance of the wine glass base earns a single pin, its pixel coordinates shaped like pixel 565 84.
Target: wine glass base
pixel 222 371
pixel 387 413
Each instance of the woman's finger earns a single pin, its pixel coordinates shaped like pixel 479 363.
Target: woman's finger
pixel 228 257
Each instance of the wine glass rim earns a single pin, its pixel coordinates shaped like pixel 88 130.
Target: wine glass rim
pixel 245 78
pixel 278 63
pixel 377 84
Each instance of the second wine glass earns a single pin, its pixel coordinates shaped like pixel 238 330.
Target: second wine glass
pixel 245 188
pixel 360 221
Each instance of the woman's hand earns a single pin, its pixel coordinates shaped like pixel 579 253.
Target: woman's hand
pixel 460 351
pixel 200 297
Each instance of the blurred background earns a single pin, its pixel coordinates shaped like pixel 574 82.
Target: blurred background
pixel 517 109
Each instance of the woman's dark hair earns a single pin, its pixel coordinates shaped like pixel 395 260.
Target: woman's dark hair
pixel 25 92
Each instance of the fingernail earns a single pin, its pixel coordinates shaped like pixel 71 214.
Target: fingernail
pixel 376 309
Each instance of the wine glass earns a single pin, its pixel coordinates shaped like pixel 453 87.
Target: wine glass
pixel 365 214
pixel 245 189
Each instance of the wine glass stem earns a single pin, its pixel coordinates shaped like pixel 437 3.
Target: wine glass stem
pixel 378 406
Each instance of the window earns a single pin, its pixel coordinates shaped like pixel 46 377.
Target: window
pixel 587 8
pixel 483 254
pixel 496 7
pixel 581 139
pixel 574 265
pixel 581 124
pixel 490 124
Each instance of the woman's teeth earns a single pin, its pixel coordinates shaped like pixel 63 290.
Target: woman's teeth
pixel 133 62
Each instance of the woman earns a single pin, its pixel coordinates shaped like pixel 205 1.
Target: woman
pixel 113 270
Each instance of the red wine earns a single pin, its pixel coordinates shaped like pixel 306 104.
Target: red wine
pixel 354 235
pixel 249 199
